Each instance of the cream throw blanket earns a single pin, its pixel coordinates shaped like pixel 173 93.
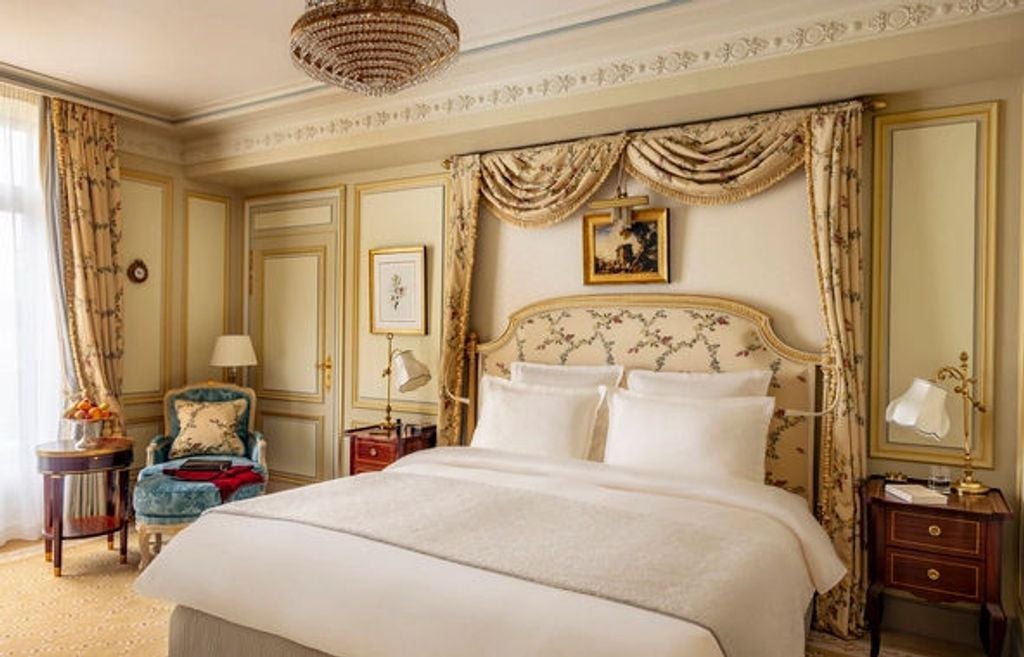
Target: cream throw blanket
pixel 701 552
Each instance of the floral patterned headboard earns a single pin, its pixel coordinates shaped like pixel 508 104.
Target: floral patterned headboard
pixel 672 333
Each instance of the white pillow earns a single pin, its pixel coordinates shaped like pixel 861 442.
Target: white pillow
pixel 575 376
pixel 567 376
pixel 701 385
pixel 538 420
pixel 689 437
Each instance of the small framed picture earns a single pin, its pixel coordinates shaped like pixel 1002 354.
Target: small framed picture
pixel 398 290
pixel 634 251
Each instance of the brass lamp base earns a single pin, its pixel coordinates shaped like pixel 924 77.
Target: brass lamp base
pixel 968 486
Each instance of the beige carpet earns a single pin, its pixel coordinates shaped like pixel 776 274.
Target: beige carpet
pixel 92 611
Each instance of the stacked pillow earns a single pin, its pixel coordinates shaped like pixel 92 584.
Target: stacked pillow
pixel 700 424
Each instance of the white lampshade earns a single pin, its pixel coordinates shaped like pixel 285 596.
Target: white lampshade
pixel 921 408
pixel 410 373
pixel 233 351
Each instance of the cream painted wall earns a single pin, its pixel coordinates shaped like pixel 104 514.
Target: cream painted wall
pixel 757 251
pixel 146 202
pixel 953 623
pixel 207 281
pixel 145 418
pixel 400 213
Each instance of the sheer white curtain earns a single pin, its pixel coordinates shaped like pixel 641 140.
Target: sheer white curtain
pixel 30 376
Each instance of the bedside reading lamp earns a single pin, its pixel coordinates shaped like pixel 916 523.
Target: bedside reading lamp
pixel 923 408
pixel 232 352
pixel 407 371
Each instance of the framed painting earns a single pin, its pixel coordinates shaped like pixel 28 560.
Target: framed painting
pixel 626 252
pixel 398 290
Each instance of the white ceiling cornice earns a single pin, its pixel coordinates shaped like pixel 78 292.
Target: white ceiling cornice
pixel 870 21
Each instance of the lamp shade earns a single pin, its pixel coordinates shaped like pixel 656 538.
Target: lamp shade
pixel 233 351
pixel 921 408
pixel 410 373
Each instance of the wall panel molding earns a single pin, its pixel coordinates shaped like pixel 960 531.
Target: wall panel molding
pixel 206 282
pixel 143 385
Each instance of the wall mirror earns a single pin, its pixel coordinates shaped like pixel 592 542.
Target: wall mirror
pixel 933 269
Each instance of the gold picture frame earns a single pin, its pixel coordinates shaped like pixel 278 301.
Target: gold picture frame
pixel 636 257
pixel 398 290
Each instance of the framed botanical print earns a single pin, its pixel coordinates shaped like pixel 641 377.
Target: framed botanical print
pixel 635 251
pixel 398 290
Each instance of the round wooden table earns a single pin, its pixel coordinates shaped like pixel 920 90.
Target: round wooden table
pixel 58 459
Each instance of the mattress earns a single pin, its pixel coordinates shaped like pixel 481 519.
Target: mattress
pixel 352 596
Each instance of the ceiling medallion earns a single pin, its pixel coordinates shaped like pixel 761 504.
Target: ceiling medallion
pixel 374 47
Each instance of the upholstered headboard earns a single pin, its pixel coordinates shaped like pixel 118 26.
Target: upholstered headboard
pixel 672 333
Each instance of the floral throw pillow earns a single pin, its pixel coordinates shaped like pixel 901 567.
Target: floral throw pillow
pixel 208 428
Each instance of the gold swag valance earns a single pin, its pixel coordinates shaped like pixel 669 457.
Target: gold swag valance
pixel 708 163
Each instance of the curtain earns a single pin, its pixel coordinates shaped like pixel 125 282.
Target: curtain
pixel 706 164
pixel 459 248
pixel 85 142
pixel 719 161
pixel 833 185
pixel 543 185
pixel 30 378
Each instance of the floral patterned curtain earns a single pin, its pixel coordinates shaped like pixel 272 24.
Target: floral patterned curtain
pixel 833 184
pixel 543 185
pixel 706 164
pixel 719 161
pixel 85 141
pixel 459 245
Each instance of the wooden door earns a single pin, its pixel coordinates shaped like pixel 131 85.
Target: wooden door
pixel 292 320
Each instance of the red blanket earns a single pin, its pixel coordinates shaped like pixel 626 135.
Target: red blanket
pixel 227 481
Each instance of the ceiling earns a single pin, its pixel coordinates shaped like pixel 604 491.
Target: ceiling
pixel 174 61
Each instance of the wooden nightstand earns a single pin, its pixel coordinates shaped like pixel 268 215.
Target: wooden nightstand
pixel 372 448
pixel 948 553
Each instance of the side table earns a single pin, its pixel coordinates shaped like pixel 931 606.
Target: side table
pixel 374 448
pixel 113 456
pixel 945 553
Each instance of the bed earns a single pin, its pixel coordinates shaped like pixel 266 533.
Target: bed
pixel 465 551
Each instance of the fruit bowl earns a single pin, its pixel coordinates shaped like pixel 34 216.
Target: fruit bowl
pixel 85 434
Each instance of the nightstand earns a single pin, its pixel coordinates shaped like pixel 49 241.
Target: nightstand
pixel 373 448
pixel 949 553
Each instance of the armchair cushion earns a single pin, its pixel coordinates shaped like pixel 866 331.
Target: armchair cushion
pixel 208 428
pixel 210 393
pixel 160 499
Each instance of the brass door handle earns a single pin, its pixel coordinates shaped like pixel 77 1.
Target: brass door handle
pixel 934 530
pixel 328 368
pixel 933 574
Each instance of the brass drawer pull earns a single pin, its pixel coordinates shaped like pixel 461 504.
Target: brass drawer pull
pixel 373 451
pixel 934 530
pixel 933 574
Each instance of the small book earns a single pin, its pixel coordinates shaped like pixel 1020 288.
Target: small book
pixel 205 465
pixel 916 494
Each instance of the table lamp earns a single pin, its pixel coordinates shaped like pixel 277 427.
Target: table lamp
pixel 922 408
pixel 409 372
pixel 232 352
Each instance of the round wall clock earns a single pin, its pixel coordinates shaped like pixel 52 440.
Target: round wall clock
pixel 137 271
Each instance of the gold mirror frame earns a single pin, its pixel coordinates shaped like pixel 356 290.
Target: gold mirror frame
pixel 985 117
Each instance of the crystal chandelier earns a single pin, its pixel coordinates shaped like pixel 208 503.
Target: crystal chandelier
pixel 374 47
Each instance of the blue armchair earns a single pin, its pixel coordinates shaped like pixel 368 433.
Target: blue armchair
pixel 165 505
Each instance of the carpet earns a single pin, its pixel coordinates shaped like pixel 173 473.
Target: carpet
pixel 93 611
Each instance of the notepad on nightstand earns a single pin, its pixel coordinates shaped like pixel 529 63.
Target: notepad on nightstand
pixel 916 494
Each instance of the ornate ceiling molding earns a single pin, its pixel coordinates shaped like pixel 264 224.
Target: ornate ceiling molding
pixel 878 20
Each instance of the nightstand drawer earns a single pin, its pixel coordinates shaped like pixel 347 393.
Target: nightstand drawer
pixel 376 451
pixel 931 577
pixel 360 468
pixel 934 532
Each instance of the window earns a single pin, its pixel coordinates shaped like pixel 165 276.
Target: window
pixel 30 377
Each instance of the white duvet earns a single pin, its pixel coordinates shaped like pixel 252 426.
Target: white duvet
pixel 355 597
